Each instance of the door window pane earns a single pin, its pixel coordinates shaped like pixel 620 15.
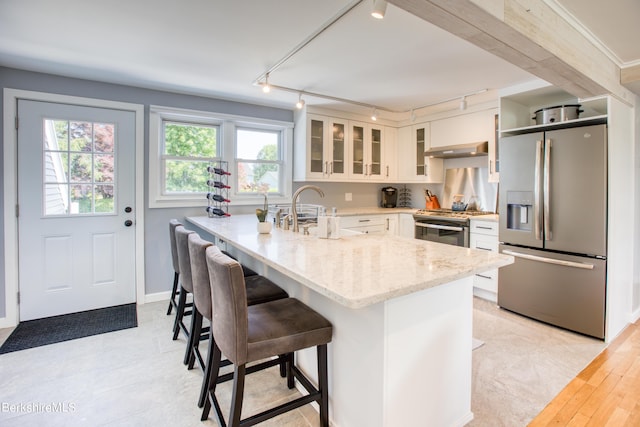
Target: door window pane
pixel 76 156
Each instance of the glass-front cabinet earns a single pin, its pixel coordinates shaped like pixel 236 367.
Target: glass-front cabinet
pixel 414 166
pixel 325 154
pixel 367 151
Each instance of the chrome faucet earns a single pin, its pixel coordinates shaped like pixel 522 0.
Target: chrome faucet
pixel 294 209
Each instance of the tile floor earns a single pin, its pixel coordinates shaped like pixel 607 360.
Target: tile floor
pixel 135 377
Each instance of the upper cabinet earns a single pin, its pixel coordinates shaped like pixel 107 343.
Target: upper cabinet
pixel 337 149
pixel 367 151
pixel 325 153
pixel 464 129
pixel 413 165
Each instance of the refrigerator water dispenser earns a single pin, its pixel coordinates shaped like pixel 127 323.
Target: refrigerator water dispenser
pixel 520 210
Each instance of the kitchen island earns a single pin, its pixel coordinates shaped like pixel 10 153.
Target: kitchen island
pixel 401 310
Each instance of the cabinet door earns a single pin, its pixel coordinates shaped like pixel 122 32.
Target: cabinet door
pixel 374 153
pixel 464 129
pixel 432 170
pixel 391 225
pixel 316 135
pixel 358 160
pixel 407 225
pixel 336 149
pixel 494 154
pixel 390 144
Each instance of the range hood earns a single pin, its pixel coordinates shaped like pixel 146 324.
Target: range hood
pixel 456 151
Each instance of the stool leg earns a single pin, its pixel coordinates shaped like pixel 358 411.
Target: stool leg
pixel 182 301
pixel 238 394
pixel 212 380
pixel 283 365
pixel 207 371
pixel 290 378
pixel 174 290
pixel 194 337
pixel 323 385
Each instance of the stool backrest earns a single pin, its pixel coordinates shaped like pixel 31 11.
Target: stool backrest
pixel 200 274
pixel 229 299
pixel 182 245
pixel 172 238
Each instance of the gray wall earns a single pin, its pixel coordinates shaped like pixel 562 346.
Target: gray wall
pixel 157 256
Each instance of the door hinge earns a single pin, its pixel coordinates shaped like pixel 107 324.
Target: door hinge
pixel 17 211
pixel 17 122
pixel 18 297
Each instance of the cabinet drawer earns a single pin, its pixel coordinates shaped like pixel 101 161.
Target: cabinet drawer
pixel 487 281
pixel 483 242
pixel 368 229
pixel 363 221
pixel 484 227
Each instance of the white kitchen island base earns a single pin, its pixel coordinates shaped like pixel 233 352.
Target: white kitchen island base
pixel 402 362
pixel 401 309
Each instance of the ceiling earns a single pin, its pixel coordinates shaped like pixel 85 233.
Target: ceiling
pixel 219 48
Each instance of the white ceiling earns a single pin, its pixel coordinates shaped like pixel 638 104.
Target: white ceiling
pixel 219 47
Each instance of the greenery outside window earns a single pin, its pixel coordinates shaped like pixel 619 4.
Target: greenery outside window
pixel 187 150
pixel 183 142
pixel 258 161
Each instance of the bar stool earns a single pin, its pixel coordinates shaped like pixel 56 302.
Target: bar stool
pixel 259 289
pixel 173 223
pixel 250 333
pixel 186 286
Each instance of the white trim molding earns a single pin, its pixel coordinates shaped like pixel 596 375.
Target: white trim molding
pixel 10 103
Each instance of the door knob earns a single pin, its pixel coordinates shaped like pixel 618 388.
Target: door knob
pixel 128 209
pixel 128 223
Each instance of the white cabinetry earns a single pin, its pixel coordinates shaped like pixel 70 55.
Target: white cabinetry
pixel 390 165
pixel 413 166
pixel 391 224
pixel 375 224
pixel 464 129
pixel 406 225
pixel 484 236
pixel 321 149
pixel 366 151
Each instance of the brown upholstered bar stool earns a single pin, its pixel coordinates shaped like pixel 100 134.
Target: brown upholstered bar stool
pixel 259 290
pixel 176 268
pixel 186 286
pixel 250 333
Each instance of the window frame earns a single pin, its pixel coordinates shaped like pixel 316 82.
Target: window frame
pixel 279 157
pixel 227 151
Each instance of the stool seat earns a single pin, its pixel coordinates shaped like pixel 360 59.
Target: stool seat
pixel 261 290
pixel 283 326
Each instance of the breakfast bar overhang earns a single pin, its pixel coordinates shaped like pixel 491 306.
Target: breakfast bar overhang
pixel 401 311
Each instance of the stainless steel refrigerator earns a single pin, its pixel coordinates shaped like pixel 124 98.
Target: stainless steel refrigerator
pixel 553 220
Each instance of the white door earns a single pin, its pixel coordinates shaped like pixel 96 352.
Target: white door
pixel 76 193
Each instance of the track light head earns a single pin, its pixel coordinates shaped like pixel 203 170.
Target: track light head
pixel 300 102
pixel 266 88
pixel 379 9
pixel 463 103
pixel 374 115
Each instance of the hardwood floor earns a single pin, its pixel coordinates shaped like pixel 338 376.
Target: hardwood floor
pixel 605 393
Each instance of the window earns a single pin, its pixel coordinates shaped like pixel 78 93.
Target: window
pixel 188 149
pixel 183 142
pixel 79 162
pixel 258 161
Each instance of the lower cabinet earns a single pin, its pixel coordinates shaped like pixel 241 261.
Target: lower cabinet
pixel 484 236
pixel 407 225
pixel 373 224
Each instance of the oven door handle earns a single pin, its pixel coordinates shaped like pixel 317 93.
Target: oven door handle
pixel 439 227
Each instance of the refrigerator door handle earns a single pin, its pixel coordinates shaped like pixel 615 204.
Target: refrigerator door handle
pixel 546 190
pixel 537 213
pixel 584 266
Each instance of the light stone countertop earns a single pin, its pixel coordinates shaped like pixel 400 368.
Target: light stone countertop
pixel 357 270
pixel 372 211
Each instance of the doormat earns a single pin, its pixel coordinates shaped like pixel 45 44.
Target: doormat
pixel 66 327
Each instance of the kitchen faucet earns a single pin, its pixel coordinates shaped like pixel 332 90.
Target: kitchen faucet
pixel 294 209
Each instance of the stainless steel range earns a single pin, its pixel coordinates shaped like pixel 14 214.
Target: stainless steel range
pixel 444 226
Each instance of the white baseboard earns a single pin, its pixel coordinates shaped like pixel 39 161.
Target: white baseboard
pixel 635 316
pixel 5 322
pixel 159 296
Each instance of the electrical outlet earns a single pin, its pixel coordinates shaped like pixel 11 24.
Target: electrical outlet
pixel 348 197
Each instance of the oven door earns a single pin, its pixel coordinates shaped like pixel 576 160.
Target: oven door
pixel 450 233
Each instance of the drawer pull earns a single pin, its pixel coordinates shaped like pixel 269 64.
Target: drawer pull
pixel 484 277
pixel 483 249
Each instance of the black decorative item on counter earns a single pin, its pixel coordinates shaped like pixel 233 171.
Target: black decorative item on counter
pixel 404 197
pixel 218 195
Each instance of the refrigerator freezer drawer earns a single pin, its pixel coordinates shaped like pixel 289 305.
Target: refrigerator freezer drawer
pixel 563 290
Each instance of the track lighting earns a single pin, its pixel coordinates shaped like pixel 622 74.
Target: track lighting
pixel 463 103
pixel 266 88
pixel 300 102
pixel 374 115
pixel 379 8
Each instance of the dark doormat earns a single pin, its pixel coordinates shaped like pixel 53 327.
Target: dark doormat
pixel 50 330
